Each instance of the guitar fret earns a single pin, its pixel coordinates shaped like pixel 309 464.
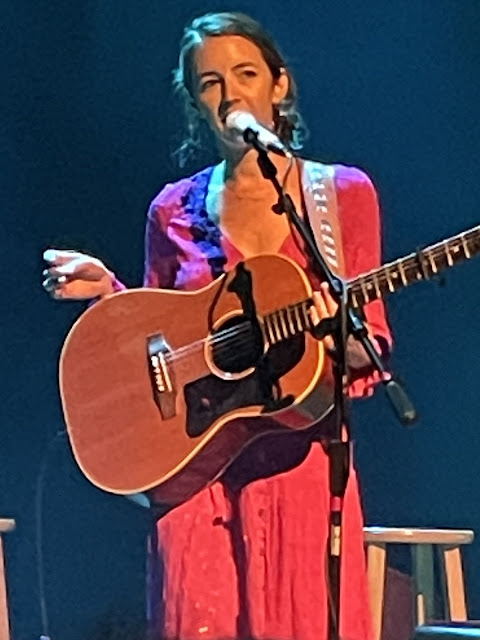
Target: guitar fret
pixel 391 286
pixel 296 311
pixel 447 253
pixel 423 273
pixel 363 287
pixel 283 325
pixel 307 324
pixel 466 250
pixel 432 262
pixel 269 332
pixel 276 328
pixel 261 326
pixel 402 273
pixel 354 299
pixel 278 316
pixel 266 334
pixel 410 269
pixel 290 323
pixel 377 286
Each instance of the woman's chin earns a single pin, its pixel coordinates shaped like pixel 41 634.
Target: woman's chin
pixel 235 147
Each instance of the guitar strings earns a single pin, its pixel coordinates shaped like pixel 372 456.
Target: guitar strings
pixel 224 339
pixel 235 336
pixel 410 262
pixel 225 336
pixel 220 337
pixel 228 352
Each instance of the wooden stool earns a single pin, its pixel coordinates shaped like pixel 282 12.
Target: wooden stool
pixel 422 541
pixel 5 526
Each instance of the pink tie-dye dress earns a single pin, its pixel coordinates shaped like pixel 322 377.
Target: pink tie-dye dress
pixel 246 557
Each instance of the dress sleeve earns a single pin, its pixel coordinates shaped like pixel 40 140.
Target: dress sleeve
pixel 361 234
pixel 161 259
pixel 117 286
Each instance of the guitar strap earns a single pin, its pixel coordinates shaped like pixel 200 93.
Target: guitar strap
pixel 321 206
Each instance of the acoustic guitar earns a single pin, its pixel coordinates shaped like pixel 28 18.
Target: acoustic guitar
pixel 162 389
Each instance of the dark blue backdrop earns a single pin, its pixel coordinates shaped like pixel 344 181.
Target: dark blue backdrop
pixel 87 124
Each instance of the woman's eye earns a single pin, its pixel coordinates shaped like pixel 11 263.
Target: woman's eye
pixel 207 84
pixel 249 73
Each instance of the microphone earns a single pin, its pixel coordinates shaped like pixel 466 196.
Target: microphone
pixel 243 124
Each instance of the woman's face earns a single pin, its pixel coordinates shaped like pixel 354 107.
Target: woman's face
pixel 231 74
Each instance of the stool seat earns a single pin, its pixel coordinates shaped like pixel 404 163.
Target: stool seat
pixel 406 535
pixel 6 525
pixel 422 542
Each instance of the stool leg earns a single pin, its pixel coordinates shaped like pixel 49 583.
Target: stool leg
pixel 424 582
pixel 376 556
pixel 4 625
pixel 455 584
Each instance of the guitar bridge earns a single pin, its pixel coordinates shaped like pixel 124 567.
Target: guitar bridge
pixel 163 383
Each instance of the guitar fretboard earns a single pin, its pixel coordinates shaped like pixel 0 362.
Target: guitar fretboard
pixel 288 322
pixel 417 266
pixel 294 319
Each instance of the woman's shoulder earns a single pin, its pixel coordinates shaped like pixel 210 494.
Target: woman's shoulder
pixel 346 176
pixel 173 194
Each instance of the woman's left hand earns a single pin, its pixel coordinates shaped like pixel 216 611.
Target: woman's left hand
pixel 326 307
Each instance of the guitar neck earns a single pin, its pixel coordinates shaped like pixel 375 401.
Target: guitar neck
pixel 415 267
pixel 292 320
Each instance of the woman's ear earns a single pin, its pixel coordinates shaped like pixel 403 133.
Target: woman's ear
pixel 192 103
pixel 281 87
pixel 197 110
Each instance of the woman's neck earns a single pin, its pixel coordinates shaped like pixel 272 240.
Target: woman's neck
pixel 243 177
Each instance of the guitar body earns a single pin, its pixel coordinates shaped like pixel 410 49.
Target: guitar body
pixel 162 389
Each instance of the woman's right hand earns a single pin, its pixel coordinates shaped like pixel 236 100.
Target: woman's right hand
pixel 75 276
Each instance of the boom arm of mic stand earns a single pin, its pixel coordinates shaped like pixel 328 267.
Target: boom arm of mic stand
pixel 399 400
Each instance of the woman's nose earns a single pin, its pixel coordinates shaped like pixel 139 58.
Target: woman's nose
pixel 230 91
pixel 225 107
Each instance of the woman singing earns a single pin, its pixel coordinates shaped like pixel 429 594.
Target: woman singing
pixel 246 556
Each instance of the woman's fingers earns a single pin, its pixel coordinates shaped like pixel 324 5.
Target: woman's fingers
pixel 59 256
pixel 49 284
pixel 330 304
pixel 78 289
pixel 55 286
pixel 74 275
pixel 324 305
pixel 320 310
pixel 77 265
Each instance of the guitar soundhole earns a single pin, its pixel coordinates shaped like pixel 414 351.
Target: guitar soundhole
pixel 237 345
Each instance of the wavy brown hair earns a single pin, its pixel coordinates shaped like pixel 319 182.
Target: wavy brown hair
pixel 288 123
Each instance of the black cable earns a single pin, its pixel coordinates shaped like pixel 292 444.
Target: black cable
pixel 39 487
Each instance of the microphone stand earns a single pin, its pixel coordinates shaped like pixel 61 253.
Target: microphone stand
pixel 345 322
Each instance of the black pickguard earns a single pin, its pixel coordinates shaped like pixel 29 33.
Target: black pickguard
pixel 208 398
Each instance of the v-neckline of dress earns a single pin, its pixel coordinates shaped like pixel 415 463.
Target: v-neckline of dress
pixel 224 238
